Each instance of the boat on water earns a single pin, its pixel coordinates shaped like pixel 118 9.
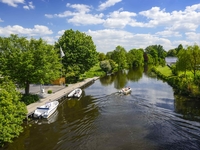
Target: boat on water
pixel 125 90
pixel 46 110
pixel 75 93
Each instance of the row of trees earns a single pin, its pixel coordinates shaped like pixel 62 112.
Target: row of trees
pixel 120 58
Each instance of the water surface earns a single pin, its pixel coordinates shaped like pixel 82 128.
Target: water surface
pixel 150 118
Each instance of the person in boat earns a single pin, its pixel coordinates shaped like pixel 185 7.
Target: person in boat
pixel 126 88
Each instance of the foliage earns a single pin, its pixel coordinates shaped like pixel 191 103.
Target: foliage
pixel 189 59
pixel 12 111
pixel 102 56
pixel 49 91
pixel 28 62
pixel 119 56
pixel 171 53
pixel 114 66
pixel 94 71
pixel 105 66
pixel 156 51
pixel 29 98
pixel 80 53
pixel 135 57
pixel 181 63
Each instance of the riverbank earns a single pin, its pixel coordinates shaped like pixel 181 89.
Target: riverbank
pixel 58 93
pixel 181 83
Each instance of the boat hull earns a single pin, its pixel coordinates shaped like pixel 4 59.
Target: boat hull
pixel 125 91
pixel 46 110
pixel 75 93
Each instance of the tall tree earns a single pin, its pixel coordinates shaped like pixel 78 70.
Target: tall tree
pixel 182 62
pixel 135 57
pixel 119 56
pixel 193 58
pixel 80 53
pixel 157 52
pixel 12 111
pixel 27 62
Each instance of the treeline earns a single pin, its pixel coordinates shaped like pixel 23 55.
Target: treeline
pixel 121 59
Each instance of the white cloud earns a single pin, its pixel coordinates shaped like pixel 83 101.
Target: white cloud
pixel 168 33
pixel 193 36
pixel 108 39
pixel 38 30
pixel 81 8
pixel 29 6
pixel 80 16
pixel 49 39
pixel 107 4
pixel 119 19
pixel 61 32
pixel 13 3
pixel 187 20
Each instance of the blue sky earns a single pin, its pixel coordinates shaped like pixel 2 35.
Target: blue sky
pixel 128 23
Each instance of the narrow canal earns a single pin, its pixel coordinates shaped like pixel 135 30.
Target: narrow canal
pixel 150 118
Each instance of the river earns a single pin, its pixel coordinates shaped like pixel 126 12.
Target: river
pixel 150 118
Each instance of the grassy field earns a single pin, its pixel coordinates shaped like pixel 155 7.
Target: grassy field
pixel 94 71
pixel 165 70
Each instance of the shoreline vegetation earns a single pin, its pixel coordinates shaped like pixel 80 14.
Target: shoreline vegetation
pixel 183 83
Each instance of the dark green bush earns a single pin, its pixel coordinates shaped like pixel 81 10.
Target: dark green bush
pixel 49 91
pixel 28 99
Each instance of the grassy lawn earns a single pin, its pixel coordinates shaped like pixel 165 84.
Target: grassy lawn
pixel 165 70
pixel 94 71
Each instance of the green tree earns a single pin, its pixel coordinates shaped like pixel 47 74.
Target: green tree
pixel 27 62
pixel 105 66
pixel 171 53
pixel 193 58
pixel 181 64
pixel 119 56
pixel 135 57
pixel 102 56
pixel 157 52
pixel 80 53
pixel 180 47
pixel 12 111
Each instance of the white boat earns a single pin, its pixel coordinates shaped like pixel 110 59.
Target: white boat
pixel 125 91
pixel 75 93
pixel 46 110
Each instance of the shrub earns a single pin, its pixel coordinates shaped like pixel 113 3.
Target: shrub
pixel 49 91
pixel 28 99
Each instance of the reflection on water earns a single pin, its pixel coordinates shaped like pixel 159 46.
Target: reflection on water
pixel 151 117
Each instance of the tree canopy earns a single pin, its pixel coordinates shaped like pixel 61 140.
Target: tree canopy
pixel 12 111
pixel 80 53
pixel 27 62
pixel 119 56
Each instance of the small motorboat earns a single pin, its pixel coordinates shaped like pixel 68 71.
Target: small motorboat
pixel 75 93
pixel 125 90
pixel 46 110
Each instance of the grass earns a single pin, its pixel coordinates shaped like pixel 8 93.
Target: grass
pixel 165 70
pixel 93 72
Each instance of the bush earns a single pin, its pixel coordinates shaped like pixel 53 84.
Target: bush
pixel 49 91
pixel 28 99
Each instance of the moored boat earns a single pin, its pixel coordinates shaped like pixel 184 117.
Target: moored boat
pixel 46 110
pixel 75 93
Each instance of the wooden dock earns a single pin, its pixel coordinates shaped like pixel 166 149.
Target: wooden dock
pixel 58 95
